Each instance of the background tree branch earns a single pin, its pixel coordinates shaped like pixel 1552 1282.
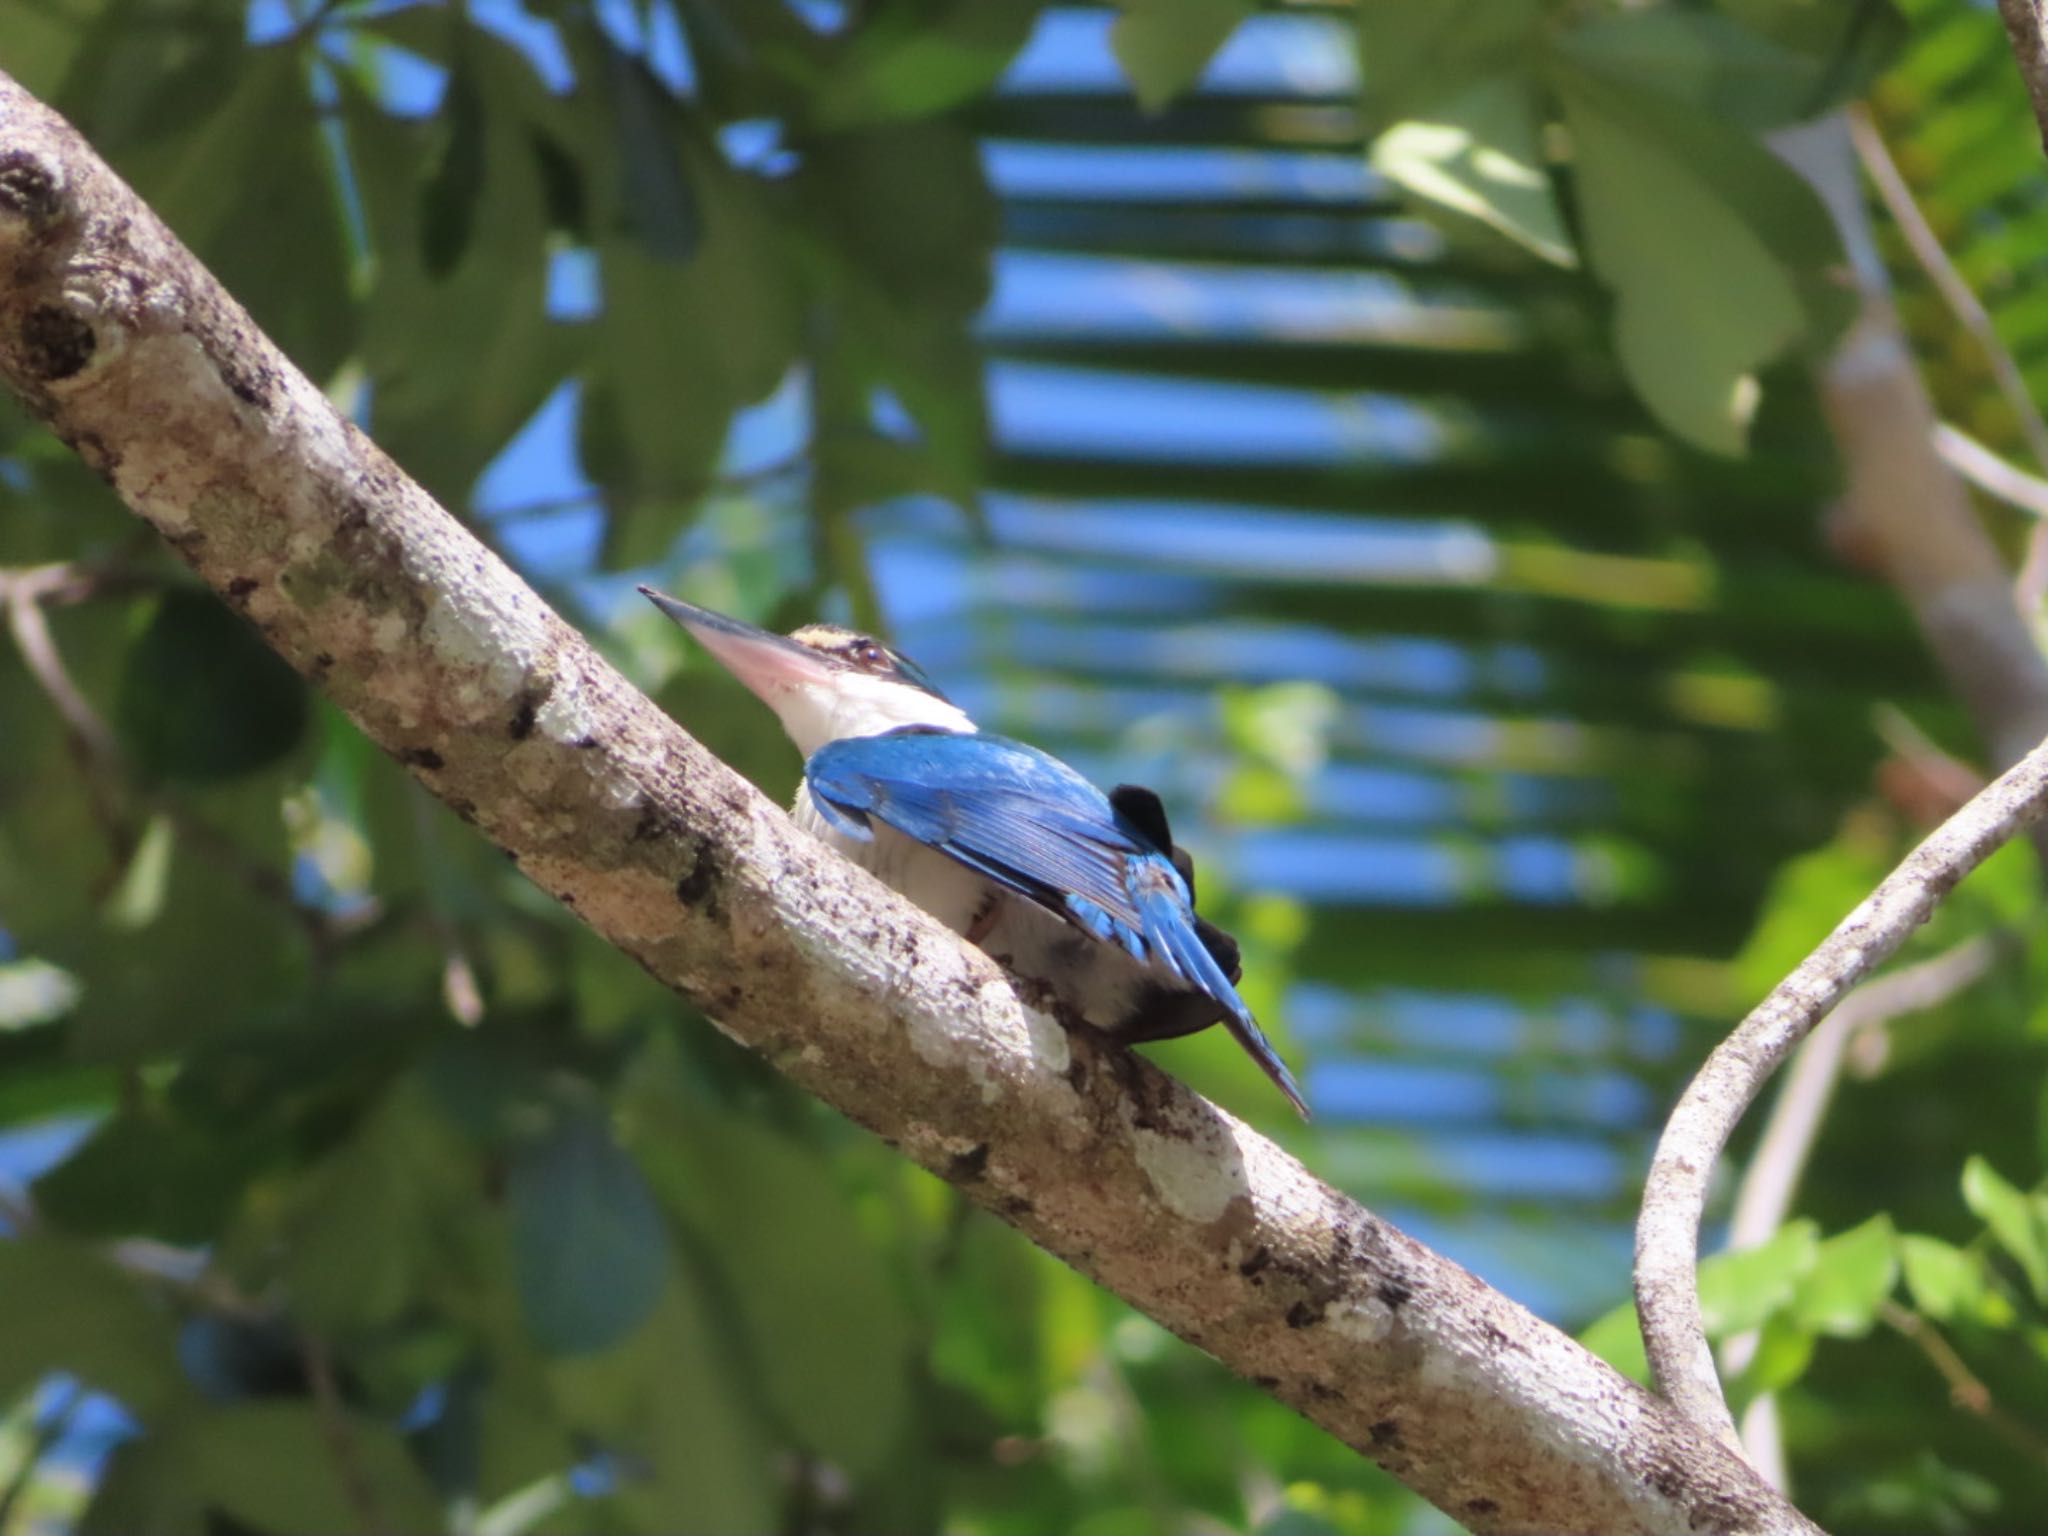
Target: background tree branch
pixel 1674 1196
pixel 113 334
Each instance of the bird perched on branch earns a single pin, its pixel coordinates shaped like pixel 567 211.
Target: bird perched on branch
pixel 1081 892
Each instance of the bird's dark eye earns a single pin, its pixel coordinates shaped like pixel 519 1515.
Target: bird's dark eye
pixel 868 654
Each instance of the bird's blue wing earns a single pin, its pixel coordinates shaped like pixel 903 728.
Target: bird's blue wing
pixel 1007 811
pixel 1028 822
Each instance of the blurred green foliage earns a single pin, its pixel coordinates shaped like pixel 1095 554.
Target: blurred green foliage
pixel 402 1203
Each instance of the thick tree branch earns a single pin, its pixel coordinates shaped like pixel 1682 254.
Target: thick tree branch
pixel 1667 1235
pixel 114 335
pixel 2026 23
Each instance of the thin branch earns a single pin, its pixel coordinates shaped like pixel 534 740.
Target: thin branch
pixel 1948 280
pixel 1996 477
pixel 115 800
pixel 1763 1200
pixel 1674 1197
pixel 50 1428
pixel 332 1413
pixel 1966 1390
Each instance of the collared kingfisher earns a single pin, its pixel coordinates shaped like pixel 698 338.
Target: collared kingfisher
pixel 1080 892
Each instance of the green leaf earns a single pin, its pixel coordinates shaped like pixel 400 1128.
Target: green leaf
pixel 2012 1218
pixel 68 1309
pixel 1946 1282
pixel 1702 303
pixel 1784 1349
pixel 1479 153
pixel 916 61
pixel 1423 53
pixel 450 194
pixel 1739 1290
pixel 687 344
pixel 203 697
pixel 141 1174
pixel 659 201
pixel 590 1248
pixel 274 1466
pixel 1852 1274
pixel 1617 1338
pixel 445 407
pixel 138 900
pixel 1704 58
pixel 670 1399
pixel 1164 45
pixel 362 1220
pixel 825 1322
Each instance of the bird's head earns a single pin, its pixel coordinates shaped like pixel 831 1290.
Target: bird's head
pixel 824 683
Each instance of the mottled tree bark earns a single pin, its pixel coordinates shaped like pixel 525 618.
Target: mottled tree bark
pixel 114 335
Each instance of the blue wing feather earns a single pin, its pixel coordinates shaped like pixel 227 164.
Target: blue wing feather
pixel 1028 822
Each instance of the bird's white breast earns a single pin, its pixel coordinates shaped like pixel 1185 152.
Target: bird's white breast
pixel 951 892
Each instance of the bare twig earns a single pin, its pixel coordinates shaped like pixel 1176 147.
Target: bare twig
pixel 1764 1198
pixel 1969 311
pixel 1948 281
pixel 1994 476
pixel 115 799
pixel 341 1440
pixel 1667 1234
pixel 50 1428
pixel 1966 1390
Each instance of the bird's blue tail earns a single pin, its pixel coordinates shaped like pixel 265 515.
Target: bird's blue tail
pixel 1167 924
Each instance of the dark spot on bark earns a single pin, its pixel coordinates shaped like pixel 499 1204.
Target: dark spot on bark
pixel 1261 1257
pixel 1394 1294
pixel 1076 1074
pixel 1668 1481
pixel 420 757
pixel 969 1165
pixel 1322 1391
pixel 55 343
pixel 1500 1340
pixel 322 662
pixel 1265 1383
pixel 240 588
pixel 1481 1507
pixel 242 385
pixel 1386 1432
pixel 522 720
pixel 1016 1205
pixel 28 187
pixel 1304 1313
pixel 697 885
pixel 584 743
pixel 466 809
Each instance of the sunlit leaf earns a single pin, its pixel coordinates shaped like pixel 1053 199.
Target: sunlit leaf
pixel 1701 301
pixel 1739 1290
pixel 1853 1273
pixel 1945 1281
pixel 1479 153
pixel 2013 1218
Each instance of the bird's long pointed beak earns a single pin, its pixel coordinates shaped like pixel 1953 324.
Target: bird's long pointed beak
pixel 766 662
